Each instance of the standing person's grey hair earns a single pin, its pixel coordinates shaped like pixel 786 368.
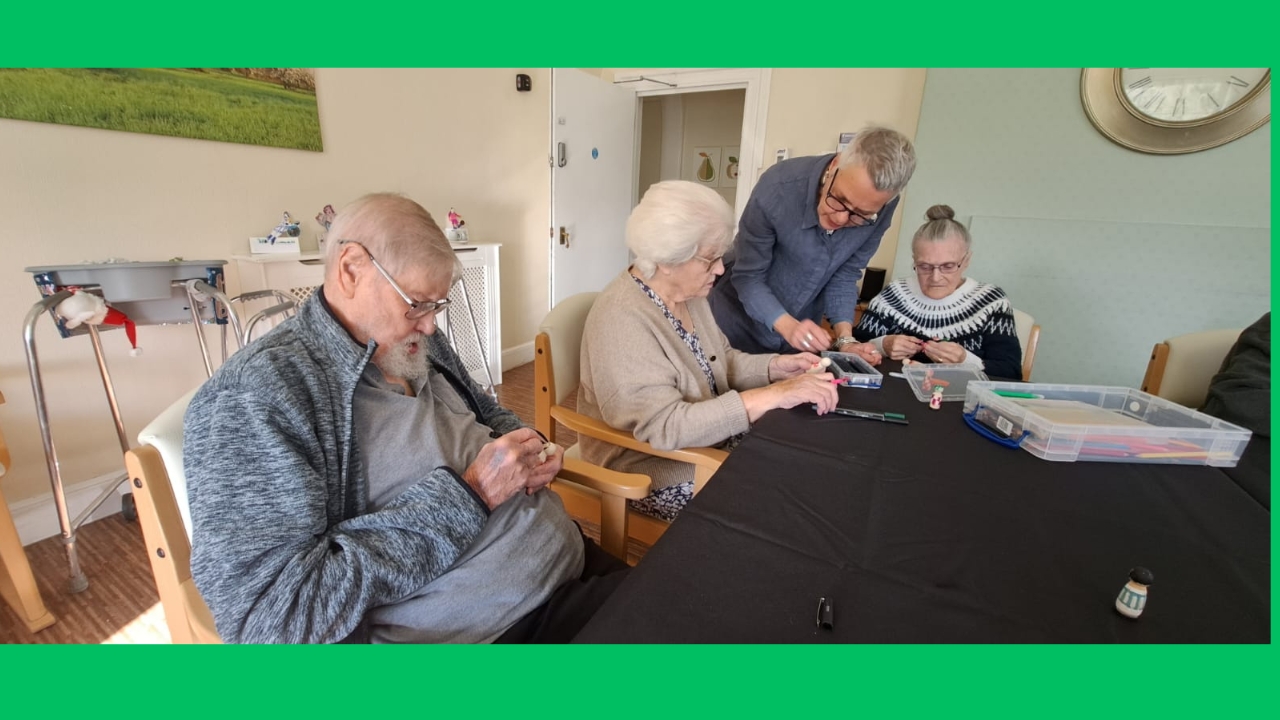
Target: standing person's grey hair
pixel 941 224
pixel 397 231
pixel 887 155
pixel 673 221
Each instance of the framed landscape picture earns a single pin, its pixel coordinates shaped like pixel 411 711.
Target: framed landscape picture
pixel 255 106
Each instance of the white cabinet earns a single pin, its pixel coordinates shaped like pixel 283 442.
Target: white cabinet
pixel 478 341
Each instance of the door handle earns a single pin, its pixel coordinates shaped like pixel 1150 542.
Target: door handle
pixel 561 158
pixel 564 237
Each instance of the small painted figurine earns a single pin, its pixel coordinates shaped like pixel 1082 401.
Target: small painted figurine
pixel 325 217
pixel 1133 596
pixel 286 228
pixel 935 401
pixel 457 228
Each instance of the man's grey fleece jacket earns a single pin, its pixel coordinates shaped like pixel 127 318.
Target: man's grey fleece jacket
pixel 283 549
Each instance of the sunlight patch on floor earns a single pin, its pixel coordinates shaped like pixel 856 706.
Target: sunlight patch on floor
pixel 147 628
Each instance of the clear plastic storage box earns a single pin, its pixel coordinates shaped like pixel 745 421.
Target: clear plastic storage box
pixel 1068 423
pixel 852 370
pixel 924 377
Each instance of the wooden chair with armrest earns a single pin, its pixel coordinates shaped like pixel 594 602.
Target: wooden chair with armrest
pixel 1181 367
pixel 557 368
pixel 17 584
pixel 1029 337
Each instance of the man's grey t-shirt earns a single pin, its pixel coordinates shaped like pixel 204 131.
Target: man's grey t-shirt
pixel 528 546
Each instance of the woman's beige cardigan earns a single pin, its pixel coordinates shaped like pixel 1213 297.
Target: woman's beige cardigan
pixel 638 376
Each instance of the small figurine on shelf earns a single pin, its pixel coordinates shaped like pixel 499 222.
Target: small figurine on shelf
pixel 286 228
pixel 325 219
pixel 935 401
pixel 457 229
pixel 1133 596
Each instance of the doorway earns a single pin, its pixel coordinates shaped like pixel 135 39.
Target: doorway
pixel 595 153
pixel 695 136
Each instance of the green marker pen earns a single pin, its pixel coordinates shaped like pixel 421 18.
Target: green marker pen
pixel 1012 394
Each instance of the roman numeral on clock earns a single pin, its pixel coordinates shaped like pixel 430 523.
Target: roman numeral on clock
pixel 1237 82
pixel 1140 83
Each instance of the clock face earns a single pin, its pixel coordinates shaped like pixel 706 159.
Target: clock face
pixel 1176 95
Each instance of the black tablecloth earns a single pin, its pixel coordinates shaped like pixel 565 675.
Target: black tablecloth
pixel 930 533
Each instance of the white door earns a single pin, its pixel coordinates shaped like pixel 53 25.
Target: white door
pixel 592 180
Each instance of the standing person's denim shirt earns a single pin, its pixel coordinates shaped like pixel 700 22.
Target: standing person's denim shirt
pixel 783 261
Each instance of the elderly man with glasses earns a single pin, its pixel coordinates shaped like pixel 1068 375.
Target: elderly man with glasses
pixel 349 481
pixel 807 233
pixel 939 315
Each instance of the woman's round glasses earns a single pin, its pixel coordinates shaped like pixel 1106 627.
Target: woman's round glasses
pixel 945 268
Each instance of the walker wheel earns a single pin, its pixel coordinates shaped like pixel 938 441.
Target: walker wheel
pixel 128 508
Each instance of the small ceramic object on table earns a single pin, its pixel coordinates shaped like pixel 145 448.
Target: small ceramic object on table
pixel 1133 596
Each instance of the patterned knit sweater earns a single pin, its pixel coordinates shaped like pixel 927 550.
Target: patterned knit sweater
pixel 977 316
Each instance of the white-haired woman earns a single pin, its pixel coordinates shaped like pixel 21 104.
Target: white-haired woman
pixel 939 315
pixel 655 364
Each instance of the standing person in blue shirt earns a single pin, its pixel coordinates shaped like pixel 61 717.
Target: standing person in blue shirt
pixel 807 233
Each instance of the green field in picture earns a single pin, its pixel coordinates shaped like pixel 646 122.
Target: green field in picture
pixel 255 106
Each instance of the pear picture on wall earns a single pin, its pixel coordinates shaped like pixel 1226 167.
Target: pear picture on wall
pixel 706 173
pixel 704 166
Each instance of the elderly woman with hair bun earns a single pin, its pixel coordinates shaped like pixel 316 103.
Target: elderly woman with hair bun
pixel 939 315
pixel 655 364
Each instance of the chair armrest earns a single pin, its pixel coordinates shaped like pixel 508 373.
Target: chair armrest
pixel 709 458
pixel 5 459
pixel 198 615
pixel 631 486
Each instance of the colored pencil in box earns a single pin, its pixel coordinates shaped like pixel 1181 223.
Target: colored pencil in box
pixel 1211 455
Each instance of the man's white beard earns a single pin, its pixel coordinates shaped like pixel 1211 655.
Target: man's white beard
pixel 398 362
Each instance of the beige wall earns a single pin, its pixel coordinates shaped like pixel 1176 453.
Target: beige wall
pixel 808 109
pixel 461 138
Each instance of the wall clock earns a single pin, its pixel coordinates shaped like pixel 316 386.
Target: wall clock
pixel 1176 110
